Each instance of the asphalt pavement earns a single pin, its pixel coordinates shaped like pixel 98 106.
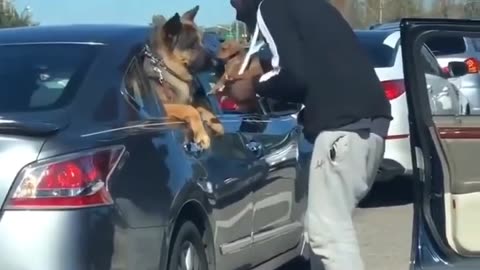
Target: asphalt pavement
pixel 384 226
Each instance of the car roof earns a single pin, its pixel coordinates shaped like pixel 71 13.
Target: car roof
pixel 380 35
pixel 387 25
pixel 105 34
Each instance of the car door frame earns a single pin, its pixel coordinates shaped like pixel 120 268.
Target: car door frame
pixel 429 244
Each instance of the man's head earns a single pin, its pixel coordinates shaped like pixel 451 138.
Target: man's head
pixel 246 11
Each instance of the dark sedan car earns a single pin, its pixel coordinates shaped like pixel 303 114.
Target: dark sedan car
pixel 94 177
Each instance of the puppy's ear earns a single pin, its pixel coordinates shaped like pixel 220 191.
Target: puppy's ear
pixel 190 15
pixel 173 26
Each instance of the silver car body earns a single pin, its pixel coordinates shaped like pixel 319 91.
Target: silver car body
pixel 456 48
pixel 445 96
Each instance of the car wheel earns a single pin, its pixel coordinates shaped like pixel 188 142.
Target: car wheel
pixel 188 252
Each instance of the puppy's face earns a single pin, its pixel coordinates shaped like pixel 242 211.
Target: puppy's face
pixel 229 49
pixel 181 37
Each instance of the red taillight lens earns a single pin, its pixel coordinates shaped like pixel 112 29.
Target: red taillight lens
pixel 393 89
pixel 72 181
pixel 472 65
pixel 446 71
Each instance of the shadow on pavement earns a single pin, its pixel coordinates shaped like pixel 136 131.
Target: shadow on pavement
pixel 296 265
pixel 396 192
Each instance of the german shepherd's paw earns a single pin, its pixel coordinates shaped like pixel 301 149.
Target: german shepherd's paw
pixel 202 139
pixel 216 126
pixel 211 121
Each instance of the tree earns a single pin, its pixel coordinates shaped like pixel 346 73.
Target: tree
pixel 10 17
pixel 351 11
pixel 449 9
pixel 472 9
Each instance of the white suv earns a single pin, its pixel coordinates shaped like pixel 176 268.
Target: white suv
pixel 383 47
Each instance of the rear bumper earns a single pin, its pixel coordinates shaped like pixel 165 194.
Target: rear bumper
pixel 76 240
pixel 397 160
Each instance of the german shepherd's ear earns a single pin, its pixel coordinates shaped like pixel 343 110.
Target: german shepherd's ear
pixel 158 20
pixel 190 15
pixel 173 26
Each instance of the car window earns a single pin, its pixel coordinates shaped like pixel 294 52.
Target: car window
pixel 445 45
pixel 139 92
pixel 476 44
pixel 226 104
pixel 429 62
pixel 380 54
pixel 42 76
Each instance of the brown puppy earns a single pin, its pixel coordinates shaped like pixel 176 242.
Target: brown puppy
pixel 175 52
pixel 238 86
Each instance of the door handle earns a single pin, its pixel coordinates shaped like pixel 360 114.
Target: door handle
pixel 255 147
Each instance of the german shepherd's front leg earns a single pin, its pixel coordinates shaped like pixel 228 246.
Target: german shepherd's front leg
pixel 191 116
pixel 211 120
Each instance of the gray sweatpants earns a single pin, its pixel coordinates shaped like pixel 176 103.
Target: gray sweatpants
pixel 342 171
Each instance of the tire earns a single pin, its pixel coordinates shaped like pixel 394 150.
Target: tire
pixel 188 251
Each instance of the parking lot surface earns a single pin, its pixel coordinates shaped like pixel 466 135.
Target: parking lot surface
pixel 384 227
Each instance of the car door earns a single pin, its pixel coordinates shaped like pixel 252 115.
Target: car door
pixel 272 142
pixel 279 196
pixel 231 174
pixel 444 152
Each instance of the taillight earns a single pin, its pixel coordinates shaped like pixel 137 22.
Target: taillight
pixel 446 71
pixel 72 181
pixel 393 89
pixel 472 65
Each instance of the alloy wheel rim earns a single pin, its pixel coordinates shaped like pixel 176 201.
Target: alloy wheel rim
pixel 188 259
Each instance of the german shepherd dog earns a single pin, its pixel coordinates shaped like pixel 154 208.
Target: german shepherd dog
pixel 174 54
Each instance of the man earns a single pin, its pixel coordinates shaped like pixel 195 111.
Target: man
pixel 318 61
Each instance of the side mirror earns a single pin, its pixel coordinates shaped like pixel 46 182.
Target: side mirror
pixel 457 69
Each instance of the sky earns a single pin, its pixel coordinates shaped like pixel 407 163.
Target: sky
pixel 48 12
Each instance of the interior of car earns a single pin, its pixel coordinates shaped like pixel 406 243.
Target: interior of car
pixel 456 137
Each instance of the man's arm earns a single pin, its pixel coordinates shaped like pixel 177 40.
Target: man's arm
pixel 286 81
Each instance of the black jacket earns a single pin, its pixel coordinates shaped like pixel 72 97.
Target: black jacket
pixel 318 61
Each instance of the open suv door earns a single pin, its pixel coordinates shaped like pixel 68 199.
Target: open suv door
pixel 445 152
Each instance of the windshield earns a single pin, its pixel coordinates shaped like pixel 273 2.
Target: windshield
pixel 380 54
pixel 41 77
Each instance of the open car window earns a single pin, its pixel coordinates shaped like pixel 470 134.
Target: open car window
pixel 139 92
pixel 223 102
